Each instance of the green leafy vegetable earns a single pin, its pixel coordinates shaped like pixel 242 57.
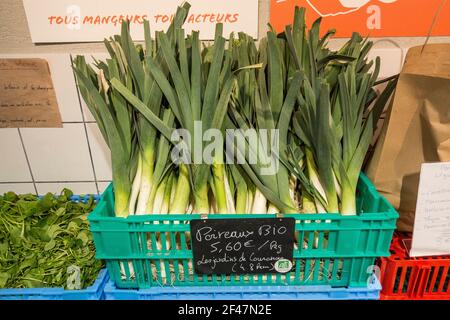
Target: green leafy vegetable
pixel 41 238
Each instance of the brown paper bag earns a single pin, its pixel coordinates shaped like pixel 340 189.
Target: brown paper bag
pixel 416 130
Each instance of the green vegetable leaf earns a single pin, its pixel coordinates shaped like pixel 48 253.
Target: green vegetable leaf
pixel 46 202
pixel 50 245
pixel 4 277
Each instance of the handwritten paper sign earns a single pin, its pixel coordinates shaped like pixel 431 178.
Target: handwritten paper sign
pixel 432 222
pixel 374 18
pixel 91 21
pixel 244 246
pixel 27 97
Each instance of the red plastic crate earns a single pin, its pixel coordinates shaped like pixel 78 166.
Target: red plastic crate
pixel 406 278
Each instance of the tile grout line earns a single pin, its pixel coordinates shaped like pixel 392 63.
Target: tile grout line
pixel 28 160
pixel 77 122
pixel 56 181
pixel 85 128
pixel 15 182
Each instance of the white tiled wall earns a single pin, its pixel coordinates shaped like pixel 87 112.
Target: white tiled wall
pixel 46 160
pixel 41 160
pixel 58 154
pixel 14 167
pixel 19 188
pixel 76 187
pixel 101 157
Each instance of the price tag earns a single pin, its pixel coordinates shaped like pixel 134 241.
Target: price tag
pixel 243 246
pixel 431 235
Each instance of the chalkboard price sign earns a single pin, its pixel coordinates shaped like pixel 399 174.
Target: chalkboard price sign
pixel 242 246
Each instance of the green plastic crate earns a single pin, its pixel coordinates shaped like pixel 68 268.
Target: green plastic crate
pixel 335 250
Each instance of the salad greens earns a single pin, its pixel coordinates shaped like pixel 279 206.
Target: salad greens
pixel 43 239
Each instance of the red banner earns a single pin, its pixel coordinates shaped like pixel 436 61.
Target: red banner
pixel 375 18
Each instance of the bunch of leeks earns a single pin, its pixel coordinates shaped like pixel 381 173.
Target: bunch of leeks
pixel 319 107
pixel 335 117
pixel 143 177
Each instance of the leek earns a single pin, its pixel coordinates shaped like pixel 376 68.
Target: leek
pixel 319 106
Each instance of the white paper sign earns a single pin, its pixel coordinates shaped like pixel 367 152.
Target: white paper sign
pixel 432 222
pixel 92 21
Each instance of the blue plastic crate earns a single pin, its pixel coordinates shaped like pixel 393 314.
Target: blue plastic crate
pixel 94 292
pixel 85 198
pixel 82 198
pixel 372 292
